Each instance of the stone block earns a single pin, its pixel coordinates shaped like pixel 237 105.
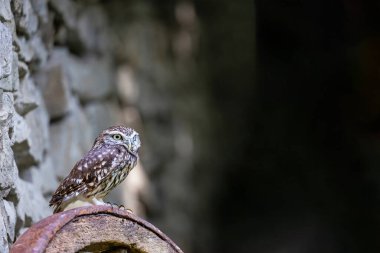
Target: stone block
pixel 145 46
pixel 10 218
pixel 127 86
pixel 41 9
pixel 44 177
pixel 15 73
pixel 26 20
pixel 25 17
pixel 5 10
pixel 23 70
pixel 131 116
pixel 32 50
pixel 156 102
pixel 8 171
pixel 31 134
pixel 67 11
pixel 21 129
pixel 47 32
pixel 3 234
pixel 24 49
pixel 31 206
pixel 21 145
pixel 6 58
pixel 69 140
pixel 91 78
pixel 38 122
pixel 92 30
pixel 27 97
pixel 102 115
pixel 54 83
pixel 84 26
pixel 40 53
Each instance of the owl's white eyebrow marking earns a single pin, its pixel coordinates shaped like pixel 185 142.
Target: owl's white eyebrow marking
pixel 119 132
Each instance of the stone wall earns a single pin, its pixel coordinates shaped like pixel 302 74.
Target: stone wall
pixel 69 69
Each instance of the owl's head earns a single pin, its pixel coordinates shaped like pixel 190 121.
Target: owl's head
pixel 120 135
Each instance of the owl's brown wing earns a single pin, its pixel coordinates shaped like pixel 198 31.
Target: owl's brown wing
pixel 86 174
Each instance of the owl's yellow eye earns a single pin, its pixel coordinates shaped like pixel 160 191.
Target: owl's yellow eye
pixel 117 137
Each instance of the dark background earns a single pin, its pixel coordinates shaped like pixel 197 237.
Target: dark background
pixel 295 89
pixel 286 134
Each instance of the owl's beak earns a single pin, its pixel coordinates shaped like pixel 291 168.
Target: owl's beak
pixel 129 144
pixel 133 143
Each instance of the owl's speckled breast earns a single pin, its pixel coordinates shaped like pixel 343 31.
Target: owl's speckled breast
pixel 114 178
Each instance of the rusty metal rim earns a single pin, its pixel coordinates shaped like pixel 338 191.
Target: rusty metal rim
pixel 54 223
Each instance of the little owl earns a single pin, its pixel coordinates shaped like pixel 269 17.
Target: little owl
pixel 107 164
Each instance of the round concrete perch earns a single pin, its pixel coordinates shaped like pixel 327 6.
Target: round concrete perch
pixel 94 229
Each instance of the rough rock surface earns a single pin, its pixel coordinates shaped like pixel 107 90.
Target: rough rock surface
pixel 7 163
pixel 6 57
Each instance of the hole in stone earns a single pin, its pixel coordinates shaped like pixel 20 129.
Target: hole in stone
pixel 28 221
pixel 110 247
pixel 12 197
pixel 10 132
pixel 23 157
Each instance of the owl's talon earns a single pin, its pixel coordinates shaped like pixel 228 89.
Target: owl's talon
pixel 129 210
pixel 111 204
